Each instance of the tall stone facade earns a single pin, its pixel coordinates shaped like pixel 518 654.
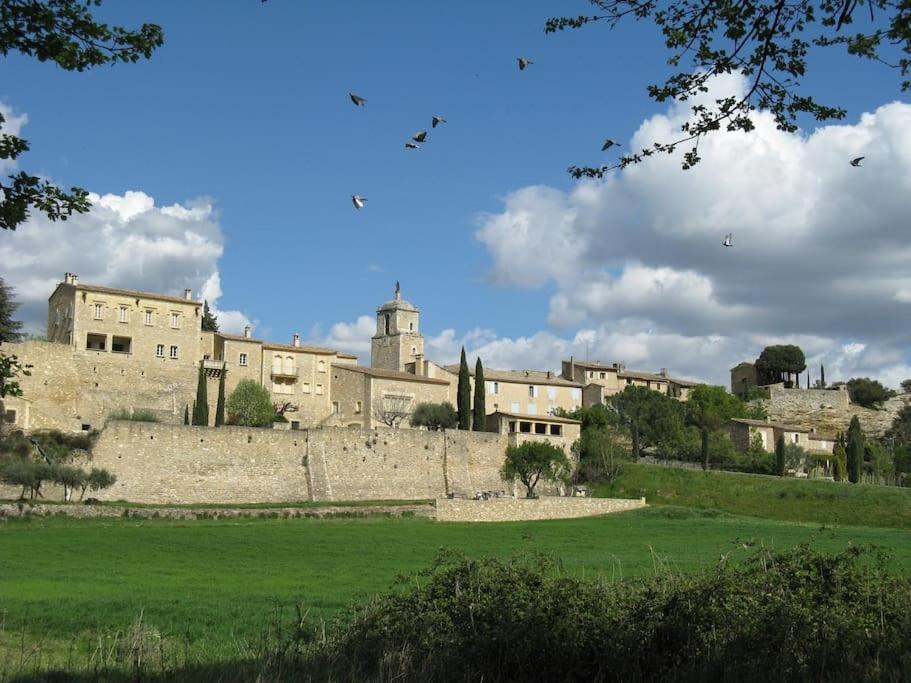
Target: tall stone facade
pixel 398 339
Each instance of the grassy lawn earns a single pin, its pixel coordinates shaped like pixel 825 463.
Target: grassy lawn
pixel 823 502
pixel 214 587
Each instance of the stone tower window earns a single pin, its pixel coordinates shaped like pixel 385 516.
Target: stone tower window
pixel 411 327
pixel 414 350
pixel 386 323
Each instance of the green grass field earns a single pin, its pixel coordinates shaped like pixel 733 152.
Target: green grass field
pixel 757 495
pixel 213 588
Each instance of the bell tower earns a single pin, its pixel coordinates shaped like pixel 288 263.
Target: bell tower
pixel 398 338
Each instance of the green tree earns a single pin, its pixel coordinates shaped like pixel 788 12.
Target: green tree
pixel 97 480
pixel 899 431
pixel 906 386
pixel 708 409
pixel 66 33
pixel 10 329
pixel 600 454
pixel 26 473
pixel 779 456
pixel 250 405
pixel 855 450
pixel 535 460
pixel 209 319
pixel 840 459
pixel 868 392
pixel 220 405
pixel 463 394
pixel 479 410
pixel 652 418
pixel 766 41
pixel 201 406
pixel 780 363
pixel 186 414
pixel 70 478
pixel 435 416
pixel 822 376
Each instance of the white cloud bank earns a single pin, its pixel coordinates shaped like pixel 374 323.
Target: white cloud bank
pixel 821 256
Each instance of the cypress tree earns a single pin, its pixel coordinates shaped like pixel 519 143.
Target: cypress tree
pixel 463 395
pixel 839 458
pixel 479 413
pixel 855 450
pixel 201 408
pixel 220 406
pixel 779 456
pixel 822 376
pixel 186 414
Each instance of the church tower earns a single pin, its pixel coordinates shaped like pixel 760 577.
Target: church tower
pixel 398 339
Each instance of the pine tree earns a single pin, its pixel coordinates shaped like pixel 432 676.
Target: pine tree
pixel 201 409
pixel 186 413
pixel 855 450
pixel 220 406
pixel 479 413
pixel 10 330
pixel 209 319
pixel 779 456
pixel 463 395
pixel 822 376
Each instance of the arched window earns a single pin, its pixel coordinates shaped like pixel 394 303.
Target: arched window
pixel 411 327
pixel 321 366
pixel 288 365
pixel 276 364
pixel 414 350
pixel 386 321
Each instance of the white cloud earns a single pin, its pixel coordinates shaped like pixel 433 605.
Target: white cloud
pixel 821 248
pixel 350 337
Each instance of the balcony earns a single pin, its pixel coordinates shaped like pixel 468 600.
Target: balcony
pixel 213 368
pixel 285 374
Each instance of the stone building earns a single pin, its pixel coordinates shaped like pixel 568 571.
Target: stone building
pixel 742 431
pixel 398 340
pixel 602 380
pixel 559 431
pixel 743 379
pixel 521 392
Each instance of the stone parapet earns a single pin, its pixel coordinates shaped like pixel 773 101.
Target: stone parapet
pixel 524 509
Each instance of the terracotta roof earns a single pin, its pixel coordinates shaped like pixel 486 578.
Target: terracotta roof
pixel 538 418
pixel 389 374
pixel 129 292
pixel 774 425
pixel 519 376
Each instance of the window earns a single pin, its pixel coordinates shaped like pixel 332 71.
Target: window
pixel 173 352
pixel 552 393
pixel 99 311
pixel 556 430
pixel 10 417
pixel 86 428
pixel 386 324
pixel 148 317
pixel 540 428
pixel 591 374
pixel 319 389
pixel 282 387
pixel 514 408
pixel 532 409
pixel 411 327
pixel 357 407
pixel 603 375
pixel 414 350
pixel 276 364
pixel 493 388
pixel 532 391
pixel 96 342
pixel 512 426
pixel 306 388
pixel 288 365
pixel 796 438
pixel 175 320
pixel 525 427
pixel 321 367
pixel 124 314
pixel 335 407
pixel 121 344
pixel 577 394
pixel 295 424
pixel 242 360
pixel 159 350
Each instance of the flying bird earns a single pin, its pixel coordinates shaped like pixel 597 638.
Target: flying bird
pixel 420 137
pixel 856 162
pixel 436 121
pixel 357 99
pixel 608 143
pixel 728 240
pixel 411 145
pixel 358 201
pixel 523 63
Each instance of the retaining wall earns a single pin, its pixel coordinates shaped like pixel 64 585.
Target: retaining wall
pixel 518 509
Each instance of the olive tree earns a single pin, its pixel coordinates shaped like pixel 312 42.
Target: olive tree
pixel 533 461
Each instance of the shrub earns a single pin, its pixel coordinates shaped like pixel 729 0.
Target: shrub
pixel 868 392
pixel 793 615
pixel 435 416
pixel 250 405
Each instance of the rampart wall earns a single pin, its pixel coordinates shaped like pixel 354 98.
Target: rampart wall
pixel 806 399
pixel 174 463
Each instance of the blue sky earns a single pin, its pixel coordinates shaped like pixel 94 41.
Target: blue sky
pixel 246 107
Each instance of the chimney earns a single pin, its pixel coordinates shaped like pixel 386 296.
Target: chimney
pixel 663 372
pixel 67 278
pixel 297 339
pixel 247 331
pixel 188 294
pixel 419 364
pixel 572 369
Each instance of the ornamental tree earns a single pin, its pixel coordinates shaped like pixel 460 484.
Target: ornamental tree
pixel 533 461
pixel 250 405
pixel 463 394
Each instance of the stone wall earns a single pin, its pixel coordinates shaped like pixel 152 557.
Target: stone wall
pixel 806 399
pixel 829 411
pixel 518 509
pixel 159 463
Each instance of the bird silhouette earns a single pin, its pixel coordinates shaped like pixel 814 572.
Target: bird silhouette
pixel 357 99
pixel 420 137
pixel 358 201
pixel 436 121
pixel 856 162
pixel 608 143
pixel 411 145
pixel 728 240
pixel 523 62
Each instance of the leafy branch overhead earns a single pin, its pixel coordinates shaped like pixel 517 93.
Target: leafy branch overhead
pixel 767 41
pixel 66 33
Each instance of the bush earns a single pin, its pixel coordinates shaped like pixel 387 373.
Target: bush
pixel 868 392
pixel 250 405
pixel 793 615
pixel 435 416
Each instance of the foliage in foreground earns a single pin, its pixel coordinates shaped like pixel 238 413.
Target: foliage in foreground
pixel 794 615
